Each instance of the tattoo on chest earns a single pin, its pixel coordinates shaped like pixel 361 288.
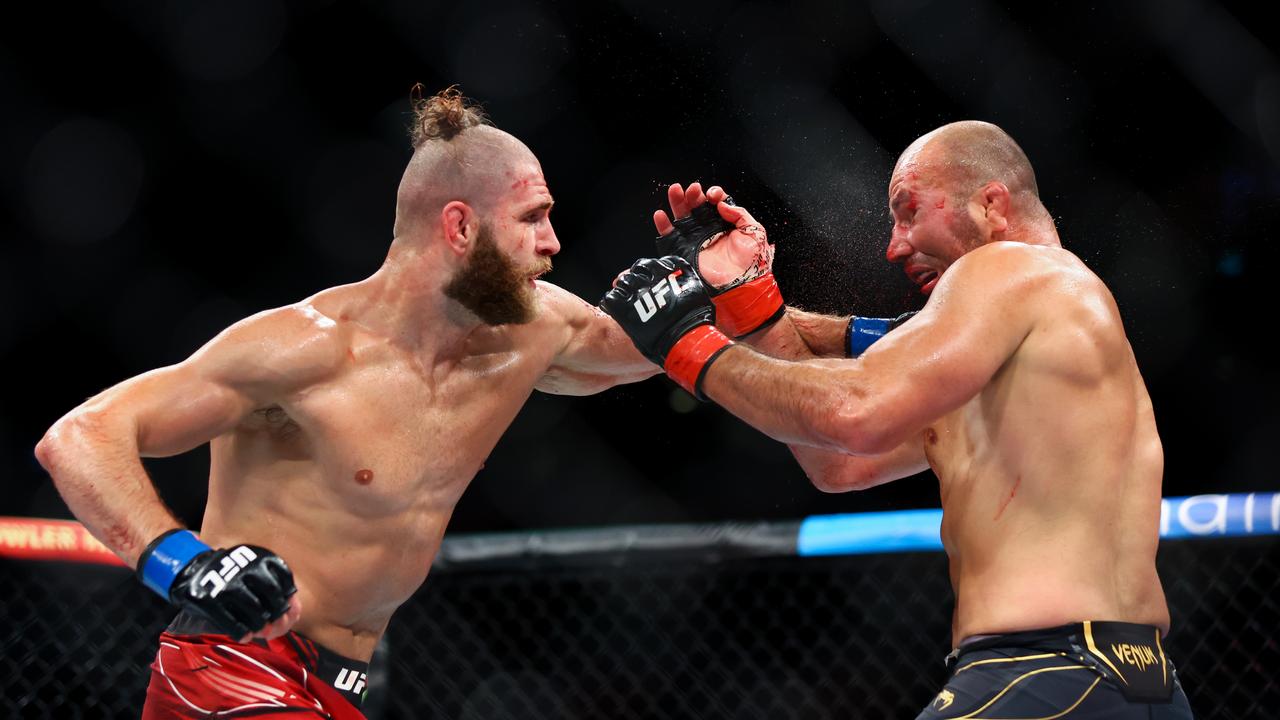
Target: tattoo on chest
pixel 276 421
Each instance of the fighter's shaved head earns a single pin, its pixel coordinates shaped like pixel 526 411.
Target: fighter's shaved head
pixel 968 154
pixel 457 155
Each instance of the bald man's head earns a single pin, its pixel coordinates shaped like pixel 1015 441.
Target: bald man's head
pixel 457 155
pixel 964 156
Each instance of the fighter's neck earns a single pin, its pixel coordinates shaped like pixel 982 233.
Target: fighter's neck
pixel 1035 231
pixel 405 302
pixel 1032 234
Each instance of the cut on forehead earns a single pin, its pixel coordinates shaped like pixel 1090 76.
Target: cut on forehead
pixel 965 155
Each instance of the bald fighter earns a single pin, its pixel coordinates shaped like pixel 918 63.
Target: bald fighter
pixel 1015 383
pixel 343 430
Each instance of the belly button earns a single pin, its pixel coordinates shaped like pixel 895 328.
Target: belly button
pixel 364 477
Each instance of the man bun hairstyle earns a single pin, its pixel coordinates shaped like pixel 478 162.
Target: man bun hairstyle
pixel 443 115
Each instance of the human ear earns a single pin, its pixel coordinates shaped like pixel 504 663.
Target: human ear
pixel 995 201
pixel 458 221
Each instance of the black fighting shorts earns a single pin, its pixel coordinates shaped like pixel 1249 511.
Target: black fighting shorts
pixel 1086 670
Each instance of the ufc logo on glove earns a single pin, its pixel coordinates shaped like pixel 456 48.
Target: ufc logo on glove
pixel 650 299
pixel 231 565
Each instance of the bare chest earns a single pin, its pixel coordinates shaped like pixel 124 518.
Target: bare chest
pixel 384 436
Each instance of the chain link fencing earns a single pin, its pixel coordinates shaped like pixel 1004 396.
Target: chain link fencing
pixel 639 635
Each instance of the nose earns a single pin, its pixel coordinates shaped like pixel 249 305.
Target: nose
pixel 899 249
pixel 548 244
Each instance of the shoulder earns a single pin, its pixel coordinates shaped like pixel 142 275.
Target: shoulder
pixel 290 345
pixel 1015 260
pixel 559 303
pixel 561 308
pixel 1051 294
pixel 1019 272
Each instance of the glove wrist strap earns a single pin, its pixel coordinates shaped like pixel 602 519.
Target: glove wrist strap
pixel 749 306
pixel 166 556
pixel 862 332
pixel 689 358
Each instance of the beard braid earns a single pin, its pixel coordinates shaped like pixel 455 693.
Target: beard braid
pixel 491 286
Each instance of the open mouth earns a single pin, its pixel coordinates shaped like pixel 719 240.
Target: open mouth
pixel 923 277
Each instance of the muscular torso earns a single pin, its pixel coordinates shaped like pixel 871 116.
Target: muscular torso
pixel 352 480
pixel 1050 477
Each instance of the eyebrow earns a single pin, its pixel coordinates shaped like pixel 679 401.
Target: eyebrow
pixel 545 205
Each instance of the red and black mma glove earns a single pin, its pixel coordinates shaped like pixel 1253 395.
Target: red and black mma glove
pixel 664 306
pixel 749 303
pixel 240 589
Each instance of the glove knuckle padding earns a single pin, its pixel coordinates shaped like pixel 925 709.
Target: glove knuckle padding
pixel 248 607
pixel 631 282
pixel 654 268
pixel 270 595
pixel 280 570
pixel 657 302
pixel 240 589
pixel 690 234
pixel 641 267
pixel 673 305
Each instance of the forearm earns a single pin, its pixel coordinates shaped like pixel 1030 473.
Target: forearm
pixel 560 381
pixel 817 403
pixel 96 467
pixel 602 361
pixel 837 472
pixel 800 335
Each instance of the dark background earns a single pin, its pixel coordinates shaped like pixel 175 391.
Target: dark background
pixel 167 169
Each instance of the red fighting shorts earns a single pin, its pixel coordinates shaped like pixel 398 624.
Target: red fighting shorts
pixel 210 675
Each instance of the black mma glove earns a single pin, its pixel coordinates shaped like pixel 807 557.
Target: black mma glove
pixel 743 306
pixel 240 589
pixel 664 307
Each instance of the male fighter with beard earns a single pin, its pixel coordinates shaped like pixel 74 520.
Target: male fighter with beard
pixel 343 430
pixel 1016 383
